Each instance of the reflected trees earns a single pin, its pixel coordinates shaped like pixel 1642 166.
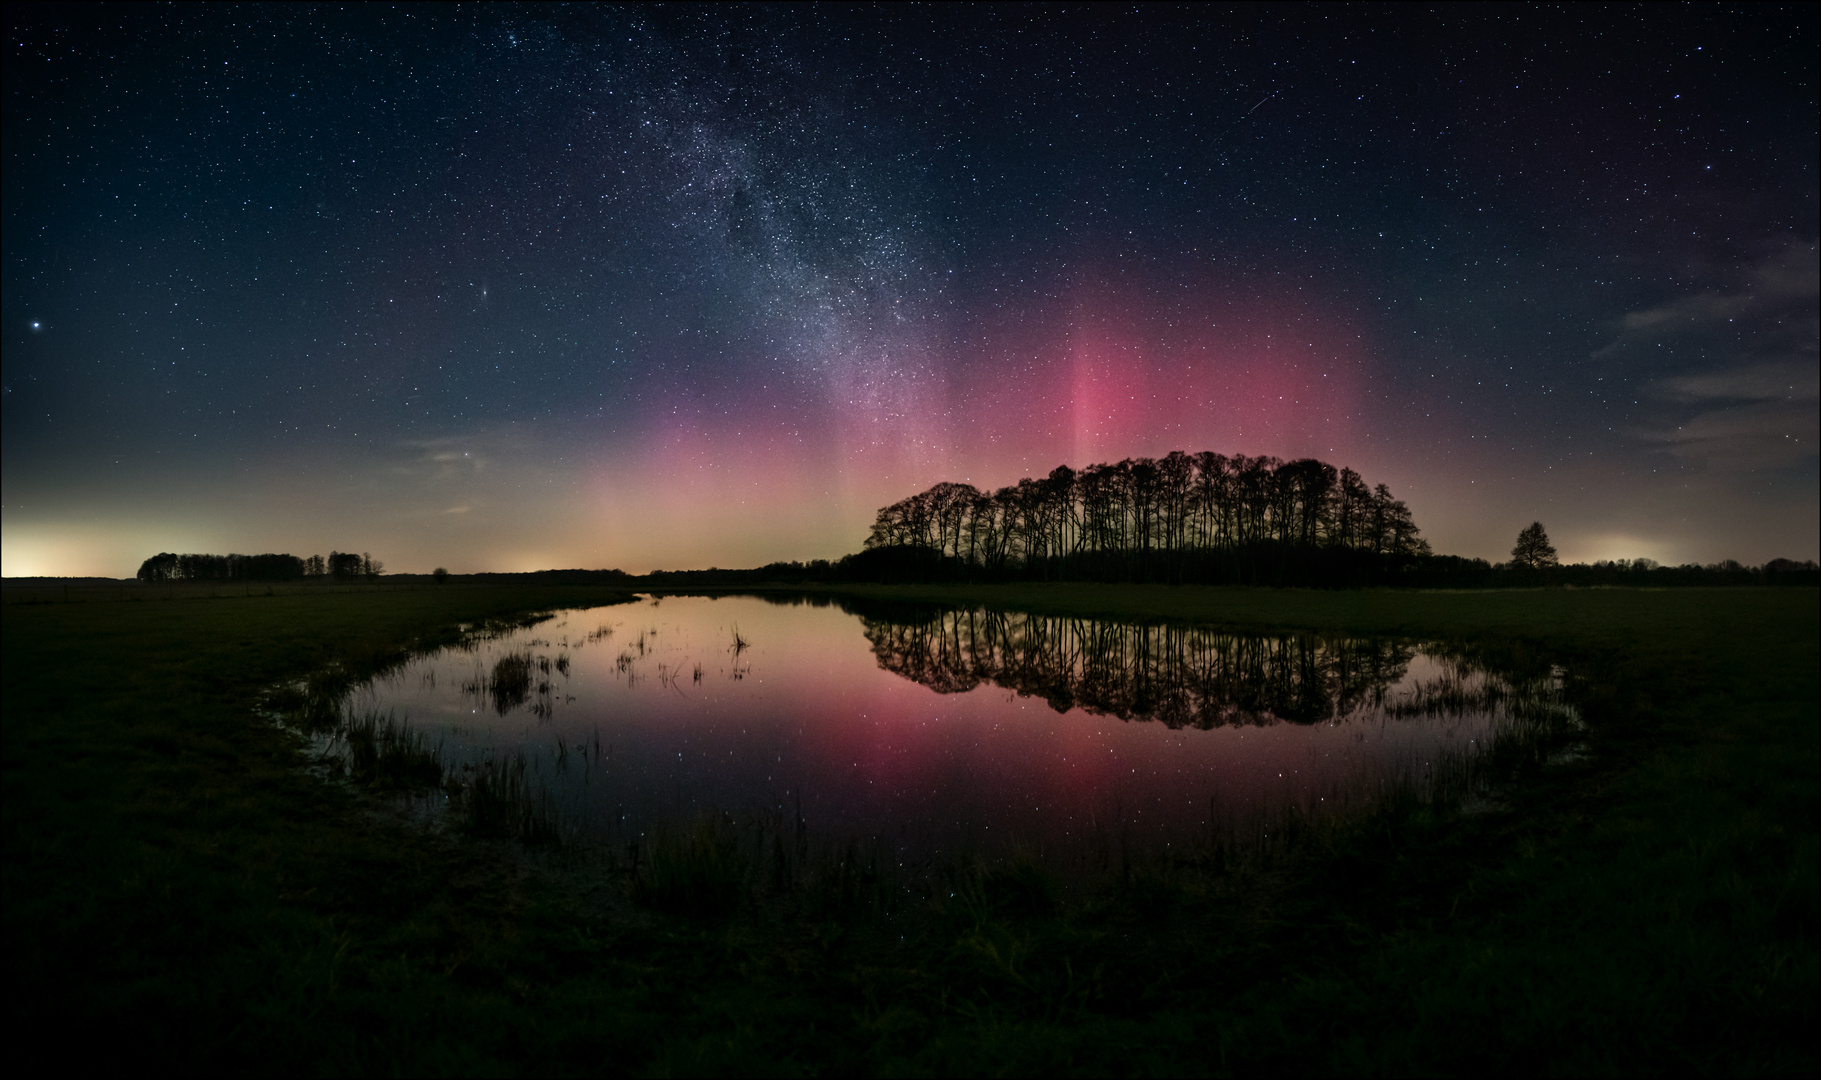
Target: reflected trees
pixel 1182 676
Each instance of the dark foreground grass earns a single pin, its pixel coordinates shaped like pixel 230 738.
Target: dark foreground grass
pixel 176 885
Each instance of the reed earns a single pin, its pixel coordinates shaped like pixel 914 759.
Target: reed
pixel 695 868
pixel 1532 722
pixel 496 799
pixel 382 751
pixel 1020 887
pixel 512 674
pixel 509 683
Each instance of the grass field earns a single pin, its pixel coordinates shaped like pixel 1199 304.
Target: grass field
pixel 178 886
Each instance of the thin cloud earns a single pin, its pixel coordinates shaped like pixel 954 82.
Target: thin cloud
pixel 1760 435
pixel 1748 399
pixel 448 459
pixel 1791 275
pixel 1788 380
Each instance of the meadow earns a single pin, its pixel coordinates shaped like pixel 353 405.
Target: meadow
pixel 1643 901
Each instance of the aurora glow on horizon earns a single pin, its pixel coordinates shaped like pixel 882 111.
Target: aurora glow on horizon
pixel 520 287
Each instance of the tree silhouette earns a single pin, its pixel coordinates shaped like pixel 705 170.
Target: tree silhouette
pixel 1185 517
pixel 166 566
pixel 1533 550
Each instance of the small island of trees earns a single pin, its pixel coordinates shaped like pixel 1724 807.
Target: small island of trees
pixel 1204 518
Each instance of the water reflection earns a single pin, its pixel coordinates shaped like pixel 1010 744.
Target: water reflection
pixel 1182 676
pixel 1041 730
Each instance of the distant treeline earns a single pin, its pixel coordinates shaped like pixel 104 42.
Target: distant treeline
pixel 551 577
pixel 1454 572
pixel 1425 571
pixel 339 566
pixel 1212 519
pixel 1183 518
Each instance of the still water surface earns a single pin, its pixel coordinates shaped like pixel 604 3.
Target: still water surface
pixel 931 730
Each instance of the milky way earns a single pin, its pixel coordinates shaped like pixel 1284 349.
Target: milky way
pixel 516 287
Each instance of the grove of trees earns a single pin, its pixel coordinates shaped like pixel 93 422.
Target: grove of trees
pixel 1183 518
pixel 340 566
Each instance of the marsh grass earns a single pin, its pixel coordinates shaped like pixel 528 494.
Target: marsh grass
pixel 1647 904
pixel 767 867
pixel 496 798
pixel 693 868
pixel 1018 888
pixel 766 862
pixel 1531 721
pixel 516 677
pixel 510 682
pixel 316 704
pixel 382 751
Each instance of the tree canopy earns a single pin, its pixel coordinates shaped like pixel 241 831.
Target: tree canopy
pixel 1533 550
pixel 1184 517
pixel 345 566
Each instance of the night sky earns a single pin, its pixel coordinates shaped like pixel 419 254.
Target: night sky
pixel 510 288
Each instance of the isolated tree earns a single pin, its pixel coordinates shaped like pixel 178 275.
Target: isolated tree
pixel 441 575
pixel 1533 549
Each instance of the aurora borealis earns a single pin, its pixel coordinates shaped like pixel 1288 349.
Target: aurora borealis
pixel 517 287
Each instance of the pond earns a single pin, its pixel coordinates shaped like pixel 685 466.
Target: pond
pixel 930 732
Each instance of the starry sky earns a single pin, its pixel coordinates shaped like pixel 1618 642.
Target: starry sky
pixel 509 288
